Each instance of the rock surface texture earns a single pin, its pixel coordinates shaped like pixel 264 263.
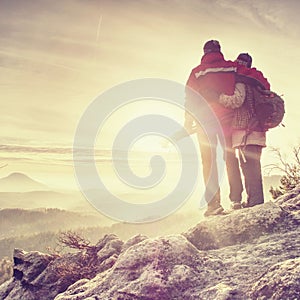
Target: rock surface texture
pixel 250 254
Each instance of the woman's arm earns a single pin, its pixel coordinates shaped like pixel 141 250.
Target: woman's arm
pixel 236 100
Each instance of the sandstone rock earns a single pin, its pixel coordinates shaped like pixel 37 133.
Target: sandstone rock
pixel 282 281
pixel 161 268
pixel 220 291
pixel 133 241
pixel 238 227
pixel 27 267
pixel 291 200
pixel 109 244
pixel 108 250
pixel 252 254
pixel 41 276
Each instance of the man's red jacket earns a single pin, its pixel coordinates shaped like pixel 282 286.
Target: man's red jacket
pixel 212 77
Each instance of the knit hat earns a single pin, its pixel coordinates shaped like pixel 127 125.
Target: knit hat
pixel 212 46
pixel 244 59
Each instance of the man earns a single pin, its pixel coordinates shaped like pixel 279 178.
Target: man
pixel 248 136
pixel 211 78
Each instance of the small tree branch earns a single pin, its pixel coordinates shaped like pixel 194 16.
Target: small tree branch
pixel 73 240
pixel 291 171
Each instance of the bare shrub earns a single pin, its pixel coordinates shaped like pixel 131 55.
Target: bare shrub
pixel 290 171
pixel 82 264
pixel 74 240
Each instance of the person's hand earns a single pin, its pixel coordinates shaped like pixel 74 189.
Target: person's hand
pixel 189 127
pixel 189 123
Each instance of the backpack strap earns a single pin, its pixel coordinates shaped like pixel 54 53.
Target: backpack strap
pixel 253 123
pixel 247 80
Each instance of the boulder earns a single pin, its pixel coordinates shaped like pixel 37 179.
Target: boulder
pixel 282 281
pixel 238 227
pixel 160 268
pixel 291 200
pixel 133 241
pixel 27 268
pixel 42 276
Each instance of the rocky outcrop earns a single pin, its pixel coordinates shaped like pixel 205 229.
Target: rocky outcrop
pixel 161 268
pixel 28 267
pixel 133 241
pixel 41 276
pixel 290 201
pixel 250 254
pixel 282 281
pixel 238 227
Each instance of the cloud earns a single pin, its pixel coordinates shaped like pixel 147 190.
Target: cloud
pixel 55 58
pixel 280 16
pixel 31 149
pixel 49 156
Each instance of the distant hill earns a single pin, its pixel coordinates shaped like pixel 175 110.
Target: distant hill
pixel 72 201
pixel 21 222
pixel 36 199
pixel 38 229
pixel 19 182
pixel 18 190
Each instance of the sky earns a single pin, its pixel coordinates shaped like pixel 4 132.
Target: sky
pixel 57 56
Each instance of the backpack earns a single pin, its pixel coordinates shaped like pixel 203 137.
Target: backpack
pixel 268 108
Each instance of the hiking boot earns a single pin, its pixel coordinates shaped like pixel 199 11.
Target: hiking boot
pixel 215 211
pixel 245 205
pixel 236 205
